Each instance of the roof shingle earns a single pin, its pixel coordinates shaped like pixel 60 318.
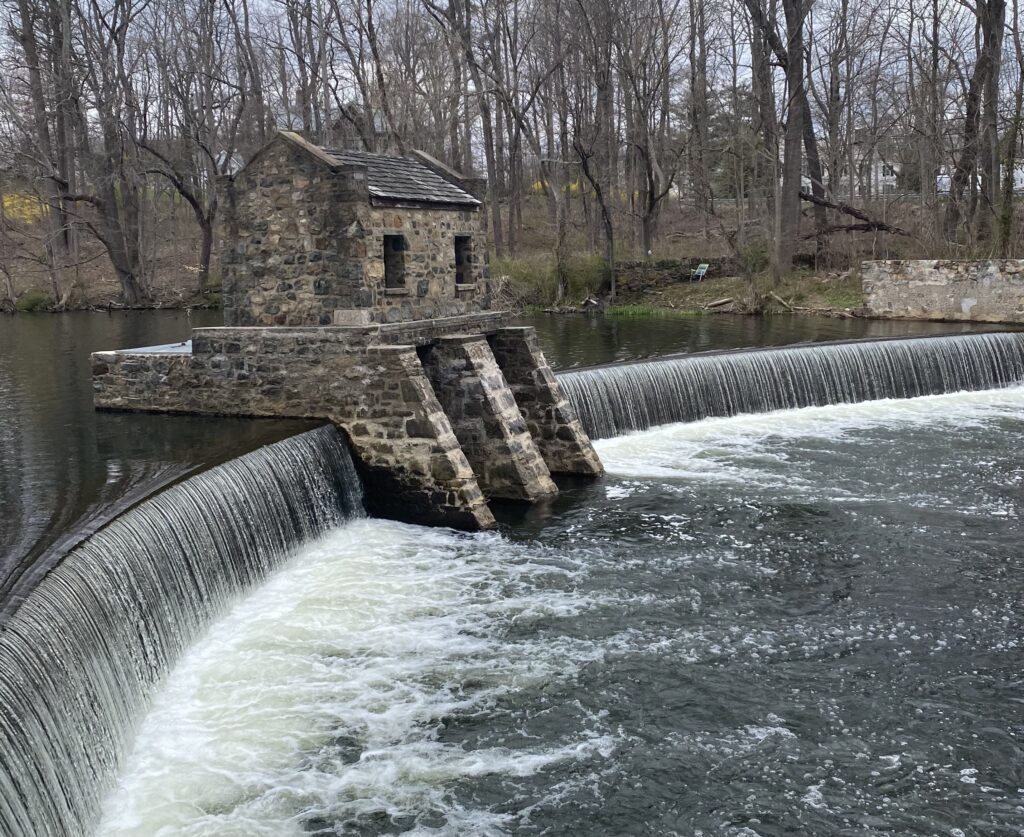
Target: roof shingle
pixel 404 179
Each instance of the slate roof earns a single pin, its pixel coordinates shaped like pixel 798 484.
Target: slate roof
pixel 402 179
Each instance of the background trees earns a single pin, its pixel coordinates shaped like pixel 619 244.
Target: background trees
pixel 661 127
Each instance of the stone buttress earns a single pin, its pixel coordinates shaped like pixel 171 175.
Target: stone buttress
pixel 486 419
pixel 436 418
pixel 551 420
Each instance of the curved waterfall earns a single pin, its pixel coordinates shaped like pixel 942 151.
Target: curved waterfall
pixel 81 656
pixel 612 400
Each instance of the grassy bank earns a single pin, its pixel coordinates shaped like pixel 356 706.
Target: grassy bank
pixel 760 294
pixel 531 282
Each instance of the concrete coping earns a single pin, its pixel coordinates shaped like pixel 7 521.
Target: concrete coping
pixel 182 348
pixel 456 339
pixel 487 317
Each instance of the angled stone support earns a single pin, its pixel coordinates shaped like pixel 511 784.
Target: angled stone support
pixel 484 415
pixel 410 458
pixel 552 422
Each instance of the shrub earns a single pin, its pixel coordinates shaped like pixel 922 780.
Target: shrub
pixel 26 209
pixel 34 300
pixel 534 282
pixel 757 255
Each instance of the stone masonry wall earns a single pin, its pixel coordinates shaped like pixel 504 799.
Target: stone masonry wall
pixel 553 424
pixel 285 258
pixel 979 291
pixel 430 290
pixel 302 240
pixel 410 459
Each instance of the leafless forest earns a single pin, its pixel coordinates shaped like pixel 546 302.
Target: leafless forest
pixel 765 128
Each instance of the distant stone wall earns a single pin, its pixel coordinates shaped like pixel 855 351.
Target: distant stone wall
pixel 302 240
pixel 979 291
pixel 645 277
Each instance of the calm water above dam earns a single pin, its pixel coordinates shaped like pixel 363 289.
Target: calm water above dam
pixel 801 622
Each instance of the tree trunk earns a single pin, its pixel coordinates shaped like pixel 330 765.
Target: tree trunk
pixel 789 203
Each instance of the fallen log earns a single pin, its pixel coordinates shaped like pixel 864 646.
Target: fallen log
pixel 718 303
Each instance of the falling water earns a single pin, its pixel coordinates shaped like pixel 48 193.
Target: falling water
pixel 80 658
pixel 612 400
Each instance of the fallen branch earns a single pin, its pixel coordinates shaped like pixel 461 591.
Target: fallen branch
pixel 869 224
pixel 780 300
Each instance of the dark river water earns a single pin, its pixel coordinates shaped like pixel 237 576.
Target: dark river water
pixel 65 468
pixel 806 622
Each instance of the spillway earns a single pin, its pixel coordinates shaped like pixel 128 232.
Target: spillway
pixel 621 398
pixel 80 658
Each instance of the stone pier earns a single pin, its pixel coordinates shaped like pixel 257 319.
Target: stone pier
pixel 552 422
pixel 487 422
pixel 441 414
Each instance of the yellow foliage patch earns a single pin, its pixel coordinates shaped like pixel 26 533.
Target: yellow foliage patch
pixel 25 209
pixel 538 187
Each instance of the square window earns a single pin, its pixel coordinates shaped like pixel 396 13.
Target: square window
pixel 394 261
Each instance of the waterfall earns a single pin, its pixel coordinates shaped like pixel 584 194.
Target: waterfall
pixel 612 400
pixel 81 656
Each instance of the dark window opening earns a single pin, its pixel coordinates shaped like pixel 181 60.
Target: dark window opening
pixel 463 259
pixel 394 261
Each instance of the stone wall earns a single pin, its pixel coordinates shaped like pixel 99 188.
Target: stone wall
pixel 476 398
pixel 302 240
pixel 979 291
pixel 409 443
pixel 550 418
pixel 430 289
pixel 410 459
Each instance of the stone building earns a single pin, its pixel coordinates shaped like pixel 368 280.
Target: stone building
pixel 318 237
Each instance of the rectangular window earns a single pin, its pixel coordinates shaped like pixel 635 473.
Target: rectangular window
pixel 463 260
pixel 394 261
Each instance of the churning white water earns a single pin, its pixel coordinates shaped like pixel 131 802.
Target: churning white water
pixel 81 657
pixel 743 449
pixel 322 697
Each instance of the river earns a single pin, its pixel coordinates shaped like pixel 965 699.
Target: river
pixel 802 622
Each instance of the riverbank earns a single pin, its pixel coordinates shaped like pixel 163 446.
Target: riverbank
pixel 830 296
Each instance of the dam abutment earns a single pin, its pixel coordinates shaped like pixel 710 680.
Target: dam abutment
pixel 381 385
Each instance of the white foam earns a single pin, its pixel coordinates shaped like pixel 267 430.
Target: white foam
pixel 709 449
pixel 323 694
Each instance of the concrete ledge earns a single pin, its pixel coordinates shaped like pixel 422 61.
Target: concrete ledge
pixel 413 332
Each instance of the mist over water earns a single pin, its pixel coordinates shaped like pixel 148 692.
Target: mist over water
pixel 805 622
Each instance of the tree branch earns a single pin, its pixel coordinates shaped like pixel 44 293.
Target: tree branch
pixel 869 224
